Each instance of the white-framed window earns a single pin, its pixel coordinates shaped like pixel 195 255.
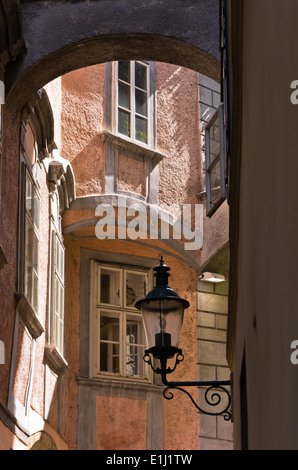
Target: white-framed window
pixel 133 113
pixel 56 327
pixel 116 326
pixel 215 162
pixel 57 317
pixel 32 236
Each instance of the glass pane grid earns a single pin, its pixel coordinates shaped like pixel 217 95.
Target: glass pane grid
pixel 121 342
pixel 132 114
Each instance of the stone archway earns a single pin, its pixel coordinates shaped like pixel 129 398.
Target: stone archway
pixel 63 36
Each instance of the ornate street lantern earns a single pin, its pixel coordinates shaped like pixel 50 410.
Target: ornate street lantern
pixel 163 311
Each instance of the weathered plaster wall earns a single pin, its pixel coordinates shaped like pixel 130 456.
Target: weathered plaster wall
pixel 82 120
pixel 8 237
pixel 131 178
pixel 120 423
pixel 178 134
pixel 183 280
pixel 54 91
pixel 65 36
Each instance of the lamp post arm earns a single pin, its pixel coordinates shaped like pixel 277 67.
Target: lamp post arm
pixel 214 393
pixel 200 383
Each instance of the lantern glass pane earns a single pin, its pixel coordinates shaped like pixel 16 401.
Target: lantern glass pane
pixel 163 318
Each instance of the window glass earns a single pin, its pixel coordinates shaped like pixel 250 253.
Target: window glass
pixel 215 162
pixel 109 342
pixel 141 130
pixel 132 112
pixel 141 76
pixel 31 269
pixel 110 287
pixel 136 287
pixel 58 293
pixel 135 345
pixel 117 331
pixel 124 70
pixel 141 102
pixel 214 141
pixel 215 182
pixel 124 95
pixel 124 123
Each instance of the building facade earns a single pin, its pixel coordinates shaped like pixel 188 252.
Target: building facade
pixel 97 167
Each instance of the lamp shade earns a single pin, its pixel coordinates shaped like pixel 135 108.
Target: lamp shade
pixel 162 310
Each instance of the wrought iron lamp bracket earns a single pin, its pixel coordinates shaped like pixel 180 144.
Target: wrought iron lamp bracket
pixel 214 390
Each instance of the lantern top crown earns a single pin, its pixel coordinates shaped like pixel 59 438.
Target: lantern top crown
pixel 161 291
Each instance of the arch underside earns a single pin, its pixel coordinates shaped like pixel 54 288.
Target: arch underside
pixel 64 36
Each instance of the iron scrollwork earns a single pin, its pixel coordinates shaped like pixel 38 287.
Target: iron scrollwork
pixel 216 394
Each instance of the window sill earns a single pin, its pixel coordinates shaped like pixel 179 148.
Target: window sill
pixel 133 147
pixel 28 315
pixel 55 361
pixel 117 383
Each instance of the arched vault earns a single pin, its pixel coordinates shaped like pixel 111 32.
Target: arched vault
pixel 61 36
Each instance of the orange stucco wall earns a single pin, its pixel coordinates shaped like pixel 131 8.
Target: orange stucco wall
pixel 78 105
pixel 120 423
pixel 8 218
pixel 82 119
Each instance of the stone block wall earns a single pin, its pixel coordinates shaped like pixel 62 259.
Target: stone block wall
pixel 214 432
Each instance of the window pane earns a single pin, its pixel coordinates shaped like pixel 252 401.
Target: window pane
pixel 214 141
pixel 124 95
pixel 141 76
pixel 110 287
pixel 28 281
pixel 124 70
pixel 59 259
pixel 135 346
pixel 109 327
pixel 141 102
pixel 35 292
pixel 109 358
pixel 36 210
pixel 29 196
pixel 141 130
pixel 109 342
pixel 215 182
pixel 35 260
pixel 57 296
pixel 136 287
pixel 123 123
pixel 28 242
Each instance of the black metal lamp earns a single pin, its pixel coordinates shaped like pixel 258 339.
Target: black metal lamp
pixel 163 310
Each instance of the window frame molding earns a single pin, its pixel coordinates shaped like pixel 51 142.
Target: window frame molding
pixel 111 103
pixel 25 167
pixel 86 256
pixel 61 196
pixel 122 312
pixel 55 233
